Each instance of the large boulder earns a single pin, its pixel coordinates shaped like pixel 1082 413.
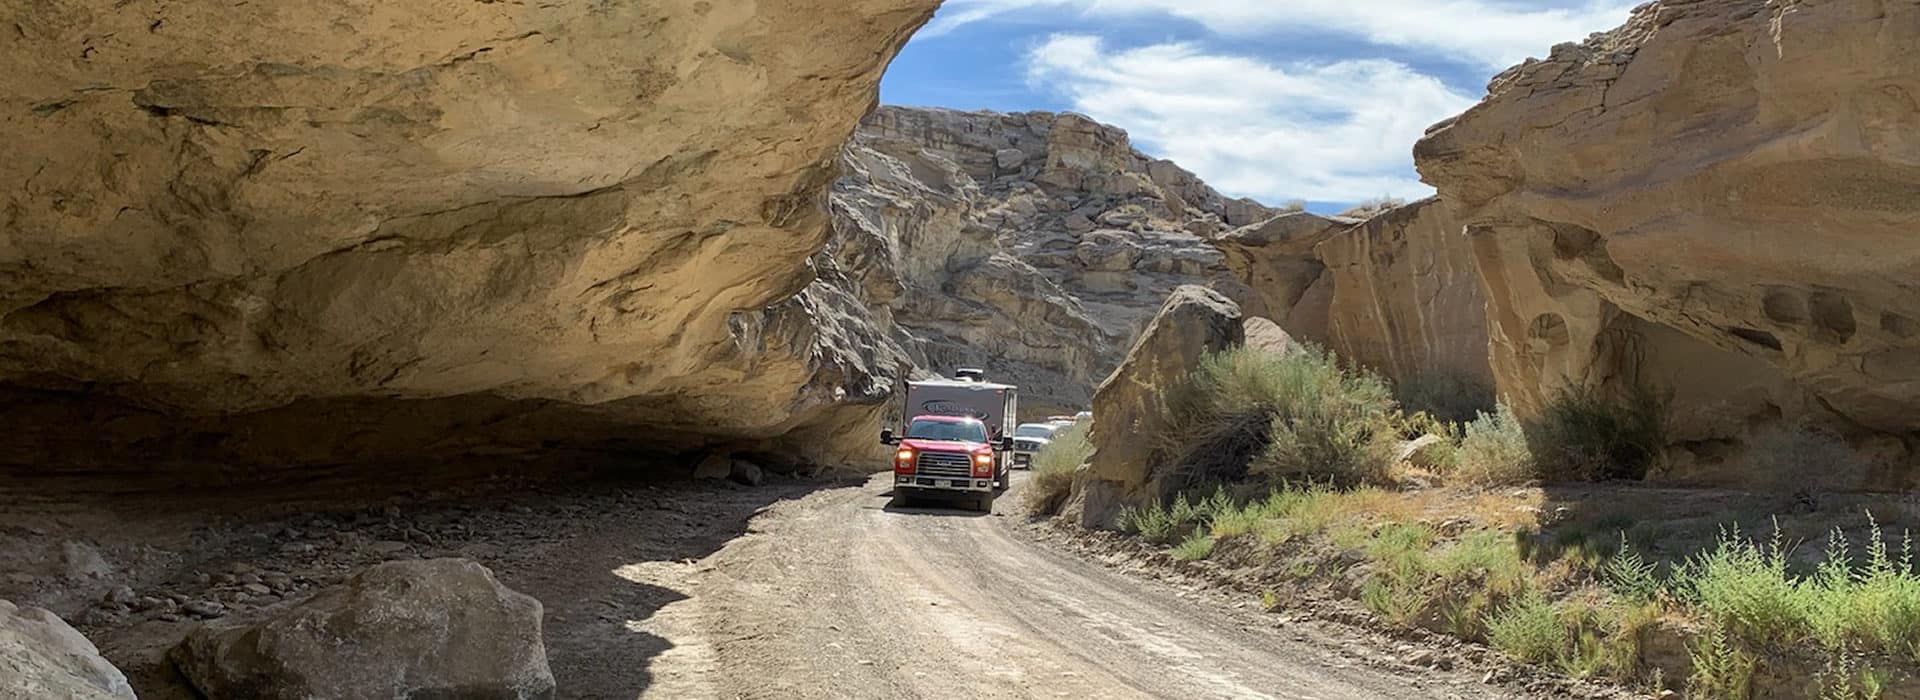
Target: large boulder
pixel 1717 198
pixel 264 236
pixel 42 657
pixel 1130 410
pixel 437 628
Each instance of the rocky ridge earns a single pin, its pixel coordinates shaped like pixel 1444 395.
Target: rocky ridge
pixel 1035 245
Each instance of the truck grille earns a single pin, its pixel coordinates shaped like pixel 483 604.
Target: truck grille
pixel 1027 445
pixel 943 464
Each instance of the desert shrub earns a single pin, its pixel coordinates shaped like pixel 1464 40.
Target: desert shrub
pixel 1197 546
pixel 1528 629
pixel 1744 588
pixel 1294 206
pixel 1167 522
pixel 1295 416
pixel 1394 601
pixel 1149 522
pixel 1489 558
pixel 1494 451
pixel 1450 396
pixel 1874 606
pixel 1630 576
pixel 1053 468
pixel 1336 425
pixel 1747 591
pixel 1721 671
pixel 1588 437
pixel 1603 640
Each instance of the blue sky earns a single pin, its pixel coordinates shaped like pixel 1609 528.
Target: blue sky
pixel 1319 100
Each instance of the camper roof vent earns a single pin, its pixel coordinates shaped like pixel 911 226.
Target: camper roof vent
pixel 970 375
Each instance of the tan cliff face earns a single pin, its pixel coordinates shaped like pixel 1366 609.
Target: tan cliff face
pixel 1398 293
pixel 1407 298
pixel 326 231
pixel 1717 198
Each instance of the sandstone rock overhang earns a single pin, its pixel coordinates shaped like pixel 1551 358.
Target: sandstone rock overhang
pixel 297 233
pixel 1718 198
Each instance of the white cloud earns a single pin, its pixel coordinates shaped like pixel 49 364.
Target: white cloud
pixel 1339 132
pixel 1494 33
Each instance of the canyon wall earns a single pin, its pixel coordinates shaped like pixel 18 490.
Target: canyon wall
pixel 1034 245
pixel 272 235
pixel 1718 198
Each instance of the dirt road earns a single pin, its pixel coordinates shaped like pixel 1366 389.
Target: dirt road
pixel 842 594
pixel 792 590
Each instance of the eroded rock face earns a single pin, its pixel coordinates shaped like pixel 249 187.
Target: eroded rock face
pixel 1718 198
pixel 1129 409
pixel 563 217
pixel 1407 297
pixel 1290 284
pixel 1398 293
pixel 1034 245
pixel 433 628
pixel 42 657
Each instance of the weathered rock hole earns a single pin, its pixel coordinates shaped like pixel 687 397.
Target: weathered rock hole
pixel 1550 328
pixel 1757 337
pixel 1573 243
pixel 1899 326
pixel 1785 306
pixel 1833 320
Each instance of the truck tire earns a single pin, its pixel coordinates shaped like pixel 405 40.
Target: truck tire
pixel 984 503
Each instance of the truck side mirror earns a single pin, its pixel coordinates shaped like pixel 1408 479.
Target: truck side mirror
pixel 1006 443
pixel 886 438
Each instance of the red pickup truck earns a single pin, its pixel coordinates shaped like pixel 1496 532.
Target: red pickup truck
pixel 956 445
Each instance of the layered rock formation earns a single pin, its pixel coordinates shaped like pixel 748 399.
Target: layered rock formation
pixel 1719 198
pixel 1034 245
pixel 276 235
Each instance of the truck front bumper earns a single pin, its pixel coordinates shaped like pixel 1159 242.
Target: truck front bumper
pixel 1023 460
pixel 927 485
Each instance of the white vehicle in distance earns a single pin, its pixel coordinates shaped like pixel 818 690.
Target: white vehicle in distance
pixel 1030 438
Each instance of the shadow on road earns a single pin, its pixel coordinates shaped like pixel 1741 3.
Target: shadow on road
pixel 929 507
pixel 602 557
pixel 628 556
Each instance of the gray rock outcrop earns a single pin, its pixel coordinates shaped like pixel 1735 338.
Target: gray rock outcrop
pixel 42 657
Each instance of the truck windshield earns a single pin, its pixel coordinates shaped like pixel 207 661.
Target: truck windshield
pixel 947 431
pixel 1034 431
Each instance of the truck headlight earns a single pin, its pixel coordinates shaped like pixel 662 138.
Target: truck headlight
pixel 904 457
pixel 983 459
